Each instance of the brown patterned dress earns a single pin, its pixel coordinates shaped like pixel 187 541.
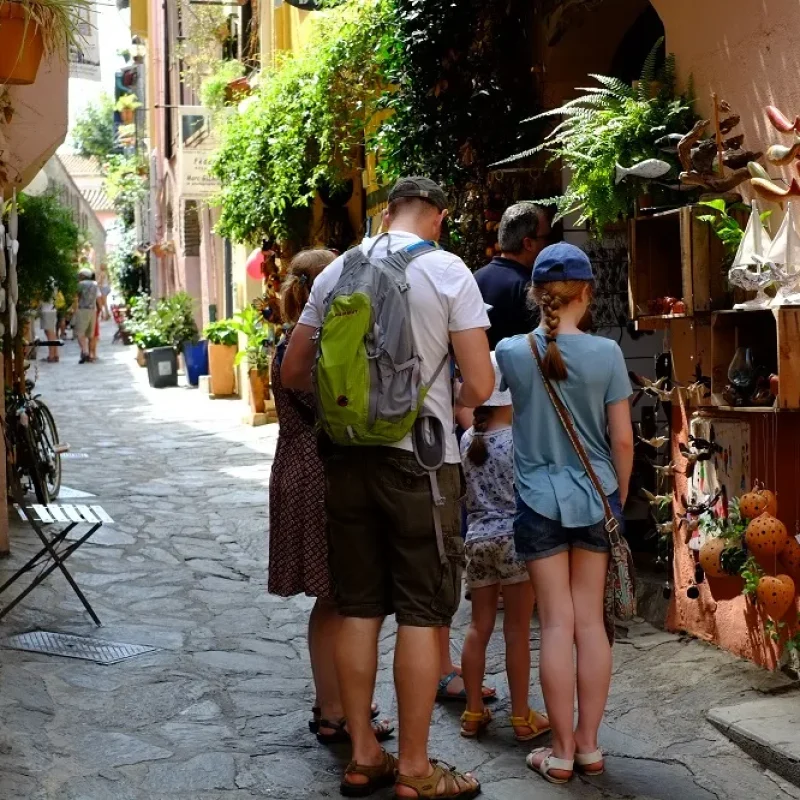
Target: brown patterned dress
pixel 298 548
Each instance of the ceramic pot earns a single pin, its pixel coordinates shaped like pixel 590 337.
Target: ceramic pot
pixel 259 390
pixel 141 359
pixel 21 46
pixel 127 116
pixel 222 382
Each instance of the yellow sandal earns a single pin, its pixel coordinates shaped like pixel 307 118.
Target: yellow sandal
pixel 529 722
pixel 483 718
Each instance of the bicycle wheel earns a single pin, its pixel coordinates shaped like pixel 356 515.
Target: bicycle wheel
pixel 36 467
pixel 46 434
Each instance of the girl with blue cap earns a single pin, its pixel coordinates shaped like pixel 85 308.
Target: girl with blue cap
pixel 559 527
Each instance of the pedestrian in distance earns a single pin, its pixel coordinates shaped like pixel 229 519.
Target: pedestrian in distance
pixel 48 321
pixel 487 454
pixel 504 282
pixel 87 307
pixel 559 527
pixel 298 548
pixel 393 468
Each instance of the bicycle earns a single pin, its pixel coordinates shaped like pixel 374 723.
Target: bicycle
pixel 32 441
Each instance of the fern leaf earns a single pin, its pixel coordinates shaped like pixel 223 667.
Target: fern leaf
pixel 618 87
pixel 649 72
pixel 519 156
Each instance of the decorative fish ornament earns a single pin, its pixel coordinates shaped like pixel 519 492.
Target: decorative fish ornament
pixel 773 192
pixel 780 155
pixel 781 122
pixel 757 171
pixel 669 143
pixel 648 170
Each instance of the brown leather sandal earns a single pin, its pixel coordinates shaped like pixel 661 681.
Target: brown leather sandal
pixel 377 776
pixel 426 788
pixel 382 730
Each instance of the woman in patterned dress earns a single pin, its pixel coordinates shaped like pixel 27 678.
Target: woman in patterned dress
pixel 298 547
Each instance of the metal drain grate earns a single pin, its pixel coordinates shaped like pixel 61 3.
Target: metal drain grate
pixel 85 647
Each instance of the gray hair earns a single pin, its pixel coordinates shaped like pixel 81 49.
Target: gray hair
pixel 520 221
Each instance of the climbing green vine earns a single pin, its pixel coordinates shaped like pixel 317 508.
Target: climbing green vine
pixel 305 125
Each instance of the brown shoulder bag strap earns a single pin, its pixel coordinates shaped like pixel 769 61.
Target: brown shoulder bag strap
pixel 611 522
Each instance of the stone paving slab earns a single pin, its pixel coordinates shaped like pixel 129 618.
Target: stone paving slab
pixel 768 729
pixel 220 711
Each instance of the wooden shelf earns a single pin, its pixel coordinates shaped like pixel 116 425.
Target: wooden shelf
pixel 657 322
pixel 674 254
pixel 774 337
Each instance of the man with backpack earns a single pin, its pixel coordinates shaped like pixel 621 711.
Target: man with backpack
pixel 377 334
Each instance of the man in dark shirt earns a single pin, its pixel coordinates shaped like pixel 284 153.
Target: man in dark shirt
pixel 504 281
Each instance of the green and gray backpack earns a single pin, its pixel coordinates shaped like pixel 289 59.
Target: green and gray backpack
pixel 367 376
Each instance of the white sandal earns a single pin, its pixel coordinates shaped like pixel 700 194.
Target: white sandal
pixel 550 762
pixel 586 760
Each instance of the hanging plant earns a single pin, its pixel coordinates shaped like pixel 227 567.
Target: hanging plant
pixel 613 124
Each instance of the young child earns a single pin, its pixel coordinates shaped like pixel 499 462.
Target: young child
pixel 487 454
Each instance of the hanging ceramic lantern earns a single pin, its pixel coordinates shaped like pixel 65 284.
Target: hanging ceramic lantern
pixel 790 555
pixel 766 536
pixel 758 502
pixel 710 558
pixel 775 595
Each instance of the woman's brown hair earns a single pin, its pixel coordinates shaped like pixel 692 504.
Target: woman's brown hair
pixel 477 452
pixel 550 297
pixel 296 287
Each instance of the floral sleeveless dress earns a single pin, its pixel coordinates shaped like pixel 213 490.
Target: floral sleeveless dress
pixel 298 546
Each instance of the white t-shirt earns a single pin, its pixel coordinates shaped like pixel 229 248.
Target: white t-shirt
pixel 443 297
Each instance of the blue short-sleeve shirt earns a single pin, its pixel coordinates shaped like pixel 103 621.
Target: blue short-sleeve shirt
pixel 547 471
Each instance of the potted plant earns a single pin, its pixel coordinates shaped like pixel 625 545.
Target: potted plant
pixel 126 106
pixel 30 29
pixel 126 55
pixel 250 323
pixel 138 326
pixel 222 338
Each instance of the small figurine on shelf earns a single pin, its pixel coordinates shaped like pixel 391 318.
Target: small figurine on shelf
pixel 750 270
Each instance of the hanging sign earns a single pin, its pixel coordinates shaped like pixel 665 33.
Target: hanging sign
pixel 196 146
pixel 84 58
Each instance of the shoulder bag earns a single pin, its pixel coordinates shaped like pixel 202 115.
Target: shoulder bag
pixel 620 594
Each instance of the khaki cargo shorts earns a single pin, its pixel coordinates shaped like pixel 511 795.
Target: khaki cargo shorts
pixel 84 321
pixel 383 553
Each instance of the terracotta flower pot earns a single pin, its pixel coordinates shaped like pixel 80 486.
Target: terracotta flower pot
pixel 21 46
pixel 141 360
pixel 127 116
pixel 259 390
pixel 220 369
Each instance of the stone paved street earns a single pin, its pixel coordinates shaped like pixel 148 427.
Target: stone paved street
pixel 219 711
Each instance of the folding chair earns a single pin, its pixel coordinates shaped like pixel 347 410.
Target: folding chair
pixel 55 552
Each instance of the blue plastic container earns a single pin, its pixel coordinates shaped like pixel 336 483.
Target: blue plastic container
pixel 195 357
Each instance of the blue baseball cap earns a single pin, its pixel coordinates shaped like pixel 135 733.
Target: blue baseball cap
pixel 562 262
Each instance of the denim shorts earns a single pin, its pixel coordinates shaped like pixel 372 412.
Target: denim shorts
pixel 538 537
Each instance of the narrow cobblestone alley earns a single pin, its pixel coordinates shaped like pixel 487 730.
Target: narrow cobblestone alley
pixel 219 710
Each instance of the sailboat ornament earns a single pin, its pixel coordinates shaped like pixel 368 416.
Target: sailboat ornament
pixel 750 269
pixel 784 261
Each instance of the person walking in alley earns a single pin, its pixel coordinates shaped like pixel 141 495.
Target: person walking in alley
pixel 487 456
pixel 559 528
pixel 298 549
pixel 84 321
pixel 524 232
pixel 394 549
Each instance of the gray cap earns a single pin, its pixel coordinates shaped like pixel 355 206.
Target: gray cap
pixel 417 186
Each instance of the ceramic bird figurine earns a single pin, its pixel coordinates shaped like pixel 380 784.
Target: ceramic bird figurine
pixel 665 528
pixel 666 470
pixel 656 499
pixel 757 171
pixel 657 442
pixel 649 169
